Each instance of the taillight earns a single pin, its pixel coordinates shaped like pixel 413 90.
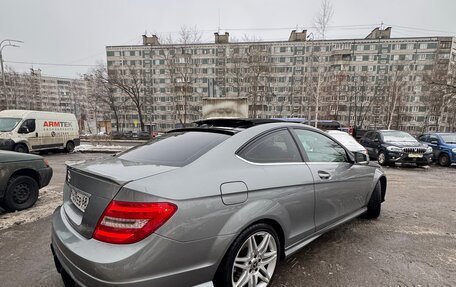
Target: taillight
pixel 129 222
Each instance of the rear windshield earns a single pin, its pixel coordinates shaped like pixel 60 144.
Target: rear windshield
pixel 175 148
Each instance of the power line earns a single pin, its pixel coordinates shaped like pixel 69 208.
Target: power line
pixel 421 29
pixel 50 64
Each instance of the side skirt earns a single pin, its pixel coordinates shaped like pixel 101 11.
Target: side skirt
pixel 297 246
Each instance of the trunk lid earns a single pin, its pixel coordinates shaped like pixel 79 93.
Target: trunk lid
pixel 90 186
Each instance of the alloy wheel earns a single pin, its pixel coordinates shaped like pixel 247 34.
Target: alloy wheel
pixel 256 261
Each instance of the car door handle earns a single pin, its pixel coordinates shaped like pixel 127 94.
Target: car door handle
pixel 324 174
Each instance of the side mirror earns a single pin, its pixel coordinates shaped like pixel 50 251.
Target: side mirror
pixel 376 140
pixel 23 130
pixel 361 158
pixel 434 142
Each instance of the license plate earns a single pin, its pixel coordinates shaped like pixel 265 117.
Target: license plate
pixel 79 200
pixel 415 155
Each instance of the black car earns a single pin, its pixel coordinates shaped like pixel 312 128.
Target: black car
pixel 390 146
pixel 21 176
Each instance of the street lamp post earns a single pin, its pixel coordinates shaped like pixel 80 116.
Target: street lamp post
pixel 8 43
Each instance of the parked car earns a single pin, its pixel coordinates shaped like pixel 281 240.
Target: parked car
pixel 21 177
pixel 443 146
pixel 144 136
pixel 208 203
pixel 348 141
pixel 390 146
pixel 115 135
pixel 26 131
pixel 128 135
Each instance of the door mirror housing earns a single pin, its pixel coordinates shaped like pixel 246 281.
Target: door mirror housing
pixel 361 158
pixel 434 142
pixel 23 130
pixel 376 140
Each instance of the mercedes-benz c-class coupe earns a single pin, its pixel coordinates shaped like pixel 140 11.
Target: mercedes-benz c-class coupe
pixel 221 203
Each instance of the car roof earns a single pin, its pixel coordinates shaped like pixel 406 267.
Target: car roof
pixel 232 126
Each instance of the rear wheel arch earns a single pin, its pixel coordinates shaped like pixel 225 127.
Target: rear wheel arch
pixel 275 225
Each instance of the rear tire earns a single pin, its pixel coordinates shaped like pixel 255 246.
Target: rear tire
pixel 69 147
pixel 375 203
pixel 444 160
pixel 21 148
pixel 256 252
pixel 67 280
pixel 21 193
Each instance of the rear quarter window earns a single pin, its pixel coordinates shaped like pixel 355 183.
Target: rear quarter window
pixel 175 148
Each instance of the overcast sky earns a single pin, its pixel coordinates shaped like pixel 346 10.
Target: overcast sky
pixel 76 32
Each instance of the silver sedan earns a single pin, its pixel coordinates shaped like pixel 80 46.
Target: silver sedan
pixel 221 204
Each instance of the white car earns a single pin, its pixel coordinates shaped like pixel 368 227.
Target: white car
pixel 348 141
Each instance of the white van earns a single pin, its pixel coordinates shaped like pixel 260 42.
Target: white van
pixel 26 131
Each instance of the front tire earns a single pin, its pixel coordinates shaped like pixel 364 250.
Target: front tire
pixel 444 160
pixel 22 148
pixel 382 158
pixel 375 203
pixel 251 260
pixel 21 193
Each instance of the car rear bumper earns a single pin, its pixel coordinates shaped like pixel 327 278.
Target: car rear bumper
pixel 154 261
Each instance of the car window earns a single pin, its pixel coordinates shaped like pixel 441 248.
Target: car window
pixel 30 124
pixel 320 148
pixel 423 138
pixel 368 135
pixel 175 148
pixel 272 148
pixel 433 138
pixel 378 137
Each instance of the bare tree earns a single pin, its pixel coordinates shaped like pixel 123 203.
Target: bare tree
pixel 323 18
pixel 259 67
pixel 180 65
pixel 394 98
pixel 129 81
pixel 441 96
pixel 103 92
pixel 237 61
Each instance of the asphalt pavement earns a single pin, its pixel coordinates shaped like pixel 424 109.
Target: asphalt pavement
pixel 413 243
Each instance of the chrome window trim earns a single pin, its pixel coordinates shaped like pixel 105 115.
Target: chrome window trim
pixel 271 163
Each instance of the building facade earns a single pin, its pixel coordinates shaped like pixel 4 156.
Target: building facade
pixel 34 91
pixel 375 82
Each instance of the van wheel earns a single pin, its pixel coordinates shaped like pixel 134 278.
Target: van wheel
pixel 21 148
pixel 21 193
pixel 69 147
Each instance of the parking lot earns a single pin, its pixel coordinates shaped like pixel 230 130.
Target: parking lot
pixel 413 243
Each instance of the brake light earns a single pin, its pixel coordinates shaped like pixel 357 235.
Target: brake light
pixel 129 222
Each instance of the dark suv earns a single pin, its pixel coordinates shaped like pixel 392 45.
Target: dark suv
pixel 390 146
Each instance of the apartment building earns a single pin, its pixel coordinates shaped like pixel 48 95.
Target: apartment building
pixel 374 82
pixel 34 91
